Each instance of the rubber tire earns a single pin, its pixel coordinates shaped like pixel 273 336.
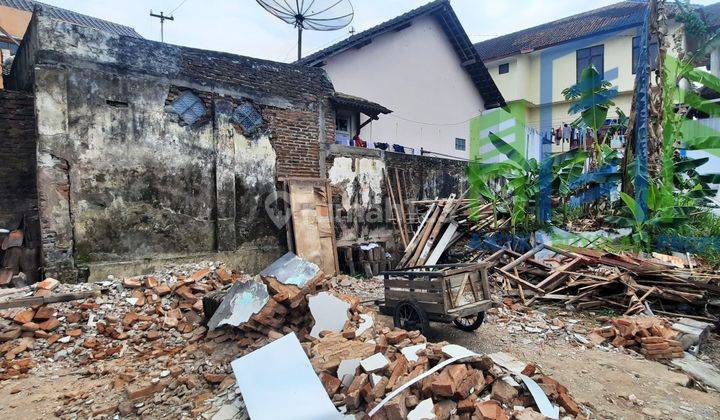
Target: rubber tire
pixel 480 317
pixel 421 325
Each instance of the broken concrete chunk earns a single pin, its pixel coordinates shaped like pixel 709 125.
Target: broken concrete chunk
pixel 410 352
pixel 291 269
pixel 366 323
pixel 242 301
pixel 346 371
pixel 329 311
pixel 425 410
pixel 374 363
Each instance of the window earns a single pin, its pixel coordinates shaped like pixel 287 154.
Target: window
pixel 654 52
pixel 588 56
pixel 247 117
pixel 504 68
pixel 189 107
pixel 459 144
pixel 11 46
pixel 342 130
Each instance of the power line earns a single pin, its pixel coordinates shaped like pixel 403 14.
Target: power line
pixel 178 6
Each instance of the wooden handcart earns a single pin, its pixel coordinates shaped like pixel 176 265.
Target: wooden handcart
pixel 457 293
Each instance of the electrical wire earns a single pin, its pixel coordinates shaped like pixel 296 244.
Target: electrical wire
pixel 177 7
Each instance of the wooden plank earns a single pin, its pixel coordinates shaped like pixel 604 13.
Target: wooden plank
pixel 423 239
pixel 443 243
pixel 39 300
pixel 430 307
pixel 447 211
pixel 517 279
pixel 523 258
pixel 484 283
pixel 313 227
pixel 419 284
pixel 401 206
pixel 471 308
pixel 396 212
pixel 392 294
pixel 416 235
pixel 558 275
pixel 461 289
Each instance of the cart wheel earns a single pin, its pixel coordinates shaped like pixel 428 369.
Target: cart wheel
pixel 410 316
pixel 470 323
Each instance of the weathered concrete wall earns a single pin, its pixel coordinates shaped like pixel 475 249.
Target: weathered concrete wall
pixel 122 177
pixel 360 198
pixel 18 191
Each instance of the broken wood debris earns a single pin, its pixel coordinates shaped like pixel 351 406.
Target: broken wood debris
pixel 589 278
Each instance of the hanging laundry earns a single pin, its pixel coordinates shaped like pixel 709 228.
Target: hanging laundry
pixel 398 148
pixel 359 142
pixel 381 146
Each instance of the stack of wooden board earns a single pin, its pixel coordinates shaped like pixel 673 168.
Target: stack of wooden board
pixel 366 259
pixel 443 224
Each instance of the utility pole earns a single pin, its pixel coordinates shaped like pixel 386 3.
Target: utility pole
pixel 162 18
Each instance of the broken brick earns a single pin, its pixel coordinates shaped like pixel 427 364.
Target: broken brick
pixel 24 316
pixel 50 325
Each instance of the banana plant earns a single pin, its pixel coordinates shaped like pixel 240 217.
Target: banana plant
pixel 517 180
pixel 593 96
pixel 663 211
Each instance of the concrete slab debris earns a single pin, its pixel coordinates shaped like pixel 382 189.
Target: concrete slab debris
pixel 410 352
pixel 699 370
pixel 291 269
pixel 242 301
pixel 329 311
pixel 423 411
pixel 281 372
pixel 346 371
pixel 374 363
pixel 366 324
pixel 508 362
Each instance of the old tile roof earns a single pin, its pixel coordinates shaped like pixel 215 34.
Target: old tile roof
pixel 370 108
pixel 457 36
pixel 712 15
pixel 610 18
pixel 72 17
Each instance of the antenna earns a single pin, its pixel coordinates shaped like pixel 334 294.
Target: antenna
pixel 316 15
pixel 162 18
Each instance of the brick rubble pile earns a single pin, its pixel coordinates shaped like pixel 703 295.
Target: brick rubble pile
pixel 140 348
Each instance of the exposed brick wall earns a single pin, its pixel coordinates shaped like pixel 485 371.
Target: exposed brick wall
pixel 18 191
pixel 294 136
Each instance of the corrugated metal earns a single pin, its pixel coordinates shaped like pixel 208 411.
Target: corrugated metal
pixel 73 17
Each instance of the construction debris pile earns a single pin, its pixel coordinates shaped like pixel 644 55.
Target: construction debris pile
pixel 142 345
pixel 587 278
pixel 385 374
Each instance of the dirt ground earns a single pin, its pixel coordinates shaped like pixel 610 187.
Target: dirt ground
pixel 612 384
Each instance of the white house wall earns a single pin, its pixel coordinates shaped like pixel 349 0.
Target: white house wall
pixel 416 73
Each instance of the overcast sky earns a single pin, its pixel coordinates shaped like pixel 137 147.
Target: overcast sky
pixel 243 27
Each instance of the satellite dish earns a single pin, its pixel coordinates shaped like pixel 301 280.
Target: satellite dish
pixel 316 15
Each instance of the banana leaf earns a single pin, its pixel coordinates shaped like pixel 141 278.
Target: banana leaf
pixel 514 157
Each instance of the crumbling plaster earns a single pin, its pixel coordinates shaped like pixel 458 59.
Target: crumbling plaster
pixel 122 178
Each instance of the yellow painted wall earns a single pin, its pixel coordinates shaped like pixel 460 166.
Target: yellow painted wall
pixel 523 80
